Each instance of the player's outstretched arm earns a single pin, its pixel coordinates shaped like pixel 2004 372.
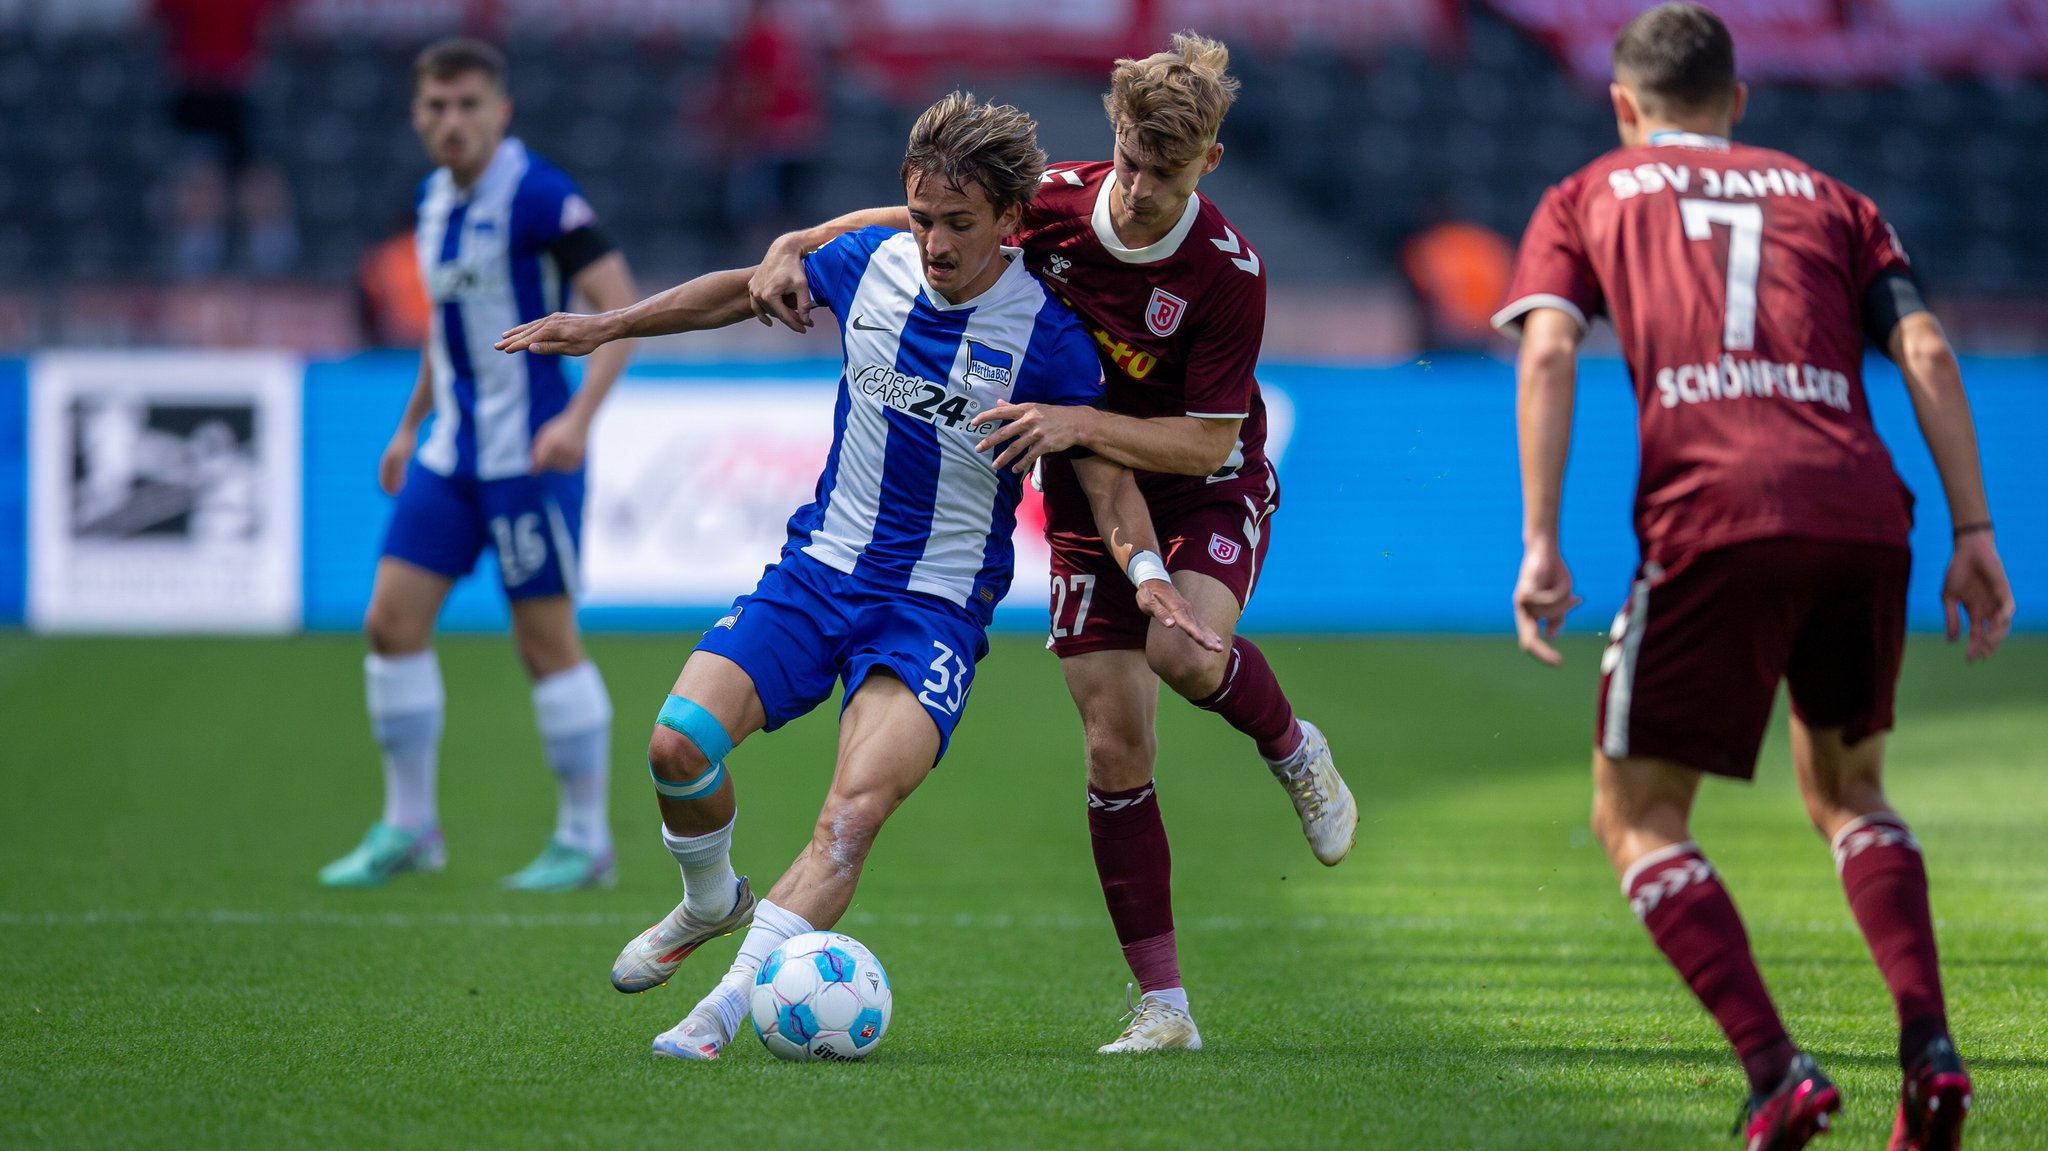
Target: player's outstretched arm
pixel 714 300
pixel 1125 524
pixel 779 290
pixel 1169 445
pixel 1976 580
pixel 1546 373
pixel 559 444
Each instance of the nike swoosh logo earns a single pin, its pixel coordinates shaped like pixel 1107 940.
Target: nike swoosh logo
pixel 870 327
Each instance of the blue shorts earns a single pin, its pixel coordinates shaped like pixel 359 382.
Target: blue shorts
pixel 807 624
pixel 534 523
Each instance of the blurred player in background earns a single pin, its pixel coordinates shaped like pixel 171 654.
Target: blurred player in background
pixel 503 235
pixel 890 577
pixel 1743 285
pixel 1175 299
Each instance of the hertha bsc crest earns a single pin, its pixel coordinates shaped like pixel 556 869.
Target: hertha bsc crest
pixel 1223 551
pixel 1163 312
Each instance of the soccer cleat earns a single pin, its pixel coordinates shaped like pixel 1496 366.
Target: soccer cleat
pixel 700 1036
pixel 384 852
pixel 1154 1025
pixel 560 867
pixel 1933 1102
pixel 1791 1116
pixel 1329 816
pixel 655 953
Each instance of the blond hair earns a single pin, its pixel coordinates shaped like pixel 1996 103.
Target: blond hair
pixel 961 141
pixel 1173 102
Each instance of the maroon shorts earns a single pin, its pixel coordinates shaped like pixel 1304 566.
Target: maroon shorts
pixel 1697 653
pixel 1221 532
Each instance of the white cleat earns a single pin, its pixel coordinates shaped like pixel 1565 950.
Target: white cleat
pixel 653 956
pixel 1329 816
pixel 700 1036
pixel 1154 1025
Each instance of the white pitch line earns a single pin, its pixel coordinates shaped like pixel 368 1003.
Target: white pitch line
pixel 857 918
pixel 1542 928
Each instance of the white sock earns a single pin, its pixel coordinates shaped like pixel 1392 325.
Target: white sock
pixel 732 998
pixel 574 714
pixel 1171 996
pixel 709 883
pixel 406 704
pixel 773 926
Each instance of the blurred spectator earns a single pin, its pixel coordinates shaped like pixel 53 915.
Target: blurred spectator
pixel 215 46
pixel 393 297
pixel 1459 271
pixel 770 120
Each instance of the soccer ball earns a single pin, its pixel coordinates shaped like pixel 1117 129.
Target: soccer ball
pixel 821 996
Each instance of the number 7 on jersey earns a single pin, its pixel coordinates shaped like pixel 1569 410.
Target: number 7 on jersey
pixel 1745 261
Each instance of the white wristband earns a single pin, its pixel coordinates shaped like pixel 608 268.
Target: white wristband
pixel 1146 566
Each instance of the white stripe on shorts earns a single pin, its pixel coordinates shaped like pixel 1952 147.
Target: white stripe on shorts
pixel 1621 660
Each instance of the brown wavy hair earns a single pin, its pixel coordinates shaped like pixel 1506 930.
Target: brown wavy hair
pixel 961 141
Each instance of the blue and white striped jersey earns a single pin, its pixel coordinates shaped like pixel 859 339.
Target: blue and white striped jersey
pixel 483 257
pixel 905 501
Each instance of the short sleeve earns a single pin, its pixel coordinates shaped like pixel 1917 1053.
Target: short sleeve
pixel 548 207
pixel 1222 368
pixel 1060 366
pixel 1552 269
pixel 1877 251
pixel 1053 201
pixel 834 270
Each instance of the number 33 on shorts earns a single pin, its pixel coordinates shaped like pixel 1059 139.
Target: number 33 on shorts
pixel 946 690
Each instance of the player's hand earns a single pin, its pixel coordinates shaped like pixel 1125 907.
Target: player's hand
pixel 1543 594
pixel 559 444
pixel 562 334
pixel 1031 431
pixel 1163 602
pixel 397 454
pixel 1977 585
pixel 778 289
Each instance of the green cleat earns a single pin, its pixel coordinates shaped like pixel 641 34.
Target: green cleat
pixel 560 867
pixel 384 852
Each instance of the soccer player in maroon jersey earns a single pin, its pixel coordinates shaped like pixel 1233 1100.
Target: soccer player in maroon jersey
pixel 1176 300
pixel 1743 284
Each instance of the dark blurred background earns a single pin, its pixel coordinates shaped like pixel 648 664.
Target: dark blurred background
pixel 240 172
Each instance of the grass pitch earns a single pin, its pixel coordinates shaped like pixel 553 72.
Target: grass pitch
pixel 171 976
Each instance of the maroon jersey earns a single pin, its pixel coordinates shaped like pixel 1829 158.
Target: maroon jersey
pixel 1178 324
pixel 1735 278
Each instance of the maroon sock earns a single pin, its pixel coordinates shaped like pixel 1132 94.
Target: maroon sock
pixel 1886 881
pixel 1136 869
pixel 1677 895
pixel 1250 699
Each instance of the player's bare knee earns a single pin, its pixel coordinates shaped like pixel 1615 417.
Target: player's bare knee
pixel 391 630
pixel 1191 671
pixel 545 653
pixel 1832 800
pixel 1118 759
pixel 1607 824
pixel 674 757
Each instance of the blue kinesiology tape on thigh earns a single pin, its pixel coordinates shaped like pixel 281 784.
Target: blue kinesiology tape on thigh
pixel 690 720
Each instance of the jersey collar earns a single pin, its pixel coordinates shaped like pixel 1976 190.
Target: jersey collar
pixel 1167 245
pixel 1675 139
pixel 507 161
pixel 1006 282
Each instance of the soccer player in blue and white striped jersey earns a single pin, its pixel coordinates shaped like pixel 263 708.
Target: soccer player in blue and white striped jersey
pixel 890 576
pixel 503 237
